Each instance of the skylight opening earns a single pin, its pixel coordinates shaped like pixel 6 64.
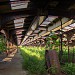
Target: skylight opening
pixel 19 36
pixel 19 24
pixel 19 5
pixel 19 20
pixel 36 31
pixel 46 22
pixel 42 28
pixel 43 25
pixel 64 30
pixel 20 30
pixel 67 27
pixel 51 18
pixel 72 25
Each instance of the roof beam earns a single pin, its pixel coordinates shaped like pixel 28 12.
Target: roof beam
pixel 44 33
pixel 32 28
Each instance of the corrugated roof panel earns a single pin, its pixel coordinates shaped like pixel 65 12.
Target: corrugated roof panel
pixel 19 5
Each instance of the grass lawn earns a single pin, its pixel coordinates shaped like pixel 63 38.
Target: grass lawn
pixel 34 60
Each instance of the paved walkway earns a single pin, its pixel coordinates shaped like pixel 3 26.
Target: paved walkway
pixel 12 65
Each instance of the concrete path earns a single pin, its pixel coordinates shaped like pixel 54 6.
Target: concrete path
pixel 12 65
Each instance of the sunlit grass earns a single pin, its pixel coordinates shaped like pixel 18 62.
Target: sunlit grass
pixel 34 52
pixel 34 59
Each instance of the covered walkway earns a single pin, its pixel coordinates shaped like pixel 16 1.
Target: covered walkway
pixel 29 23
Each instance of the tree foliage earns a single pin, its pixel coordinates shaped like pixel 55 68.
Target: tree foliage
pixel 3 46
pixel 52 41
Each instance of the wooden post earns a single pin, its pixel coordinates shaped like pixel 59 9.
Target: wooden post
pixel 52 61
